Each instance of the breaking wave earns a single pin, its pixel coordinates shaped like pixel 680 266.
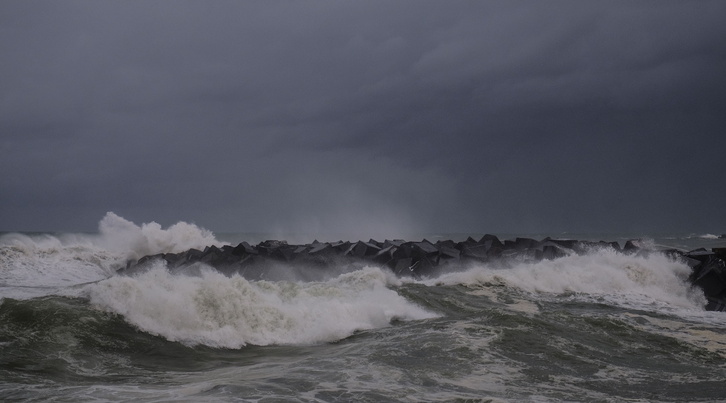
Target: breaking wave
pixel 604 275
pixel 63 260
pixel 219 311
pixel 119 234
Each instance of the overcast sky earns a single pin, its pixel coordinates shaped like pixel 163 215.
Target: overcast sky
pixel 365 117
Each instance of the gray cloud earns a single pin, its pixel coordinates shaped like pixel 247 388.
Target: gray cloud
pixel 364 118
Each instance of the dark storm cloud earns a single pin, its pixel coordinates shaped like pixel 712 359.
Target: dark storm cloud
pixel 364 117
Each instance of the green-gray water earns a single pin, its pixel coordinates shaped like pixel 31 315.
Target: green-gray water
pixel 599 327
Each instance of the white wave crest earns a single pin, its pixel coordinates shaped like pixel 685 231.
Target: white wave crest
pixel 230 312
pixel 46 261
pixel 119 234
pixel 69 259
pixel 621 279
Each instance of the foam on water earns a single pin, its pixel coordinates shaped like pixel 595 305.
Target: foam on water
pixel 708 236
pixel 652 281
pixel 35 265
pixel 47 262
pixel 123 236
pixel 219 311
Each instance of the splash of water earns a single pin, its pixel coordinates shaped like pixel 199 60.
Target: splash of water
pixel 219 311
pixel 627 280
pixel 64 260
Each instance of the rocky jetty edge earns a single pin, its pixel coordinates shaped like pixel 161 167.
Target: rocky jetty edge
pixel 273 260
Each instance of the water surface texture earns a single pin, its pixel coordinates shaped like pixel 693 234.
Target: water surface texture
pixel 604 326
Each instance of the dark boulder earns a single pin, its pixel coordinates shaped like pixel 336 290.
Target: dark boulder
pixel 192 255
pixel 525 243
pixel 553 250
pixel 321 249
pixel 423 267
pixel 631 246
pixel 702 255
pixel 491 241
pixel 362 249
pixel 447 253
pixel 402 251
pixel 385 255
pixel 475 252
pixel 150 258
pixel 710 275
pixel 424 248
pixel 244 249
pixel 402 267
pixel 445 244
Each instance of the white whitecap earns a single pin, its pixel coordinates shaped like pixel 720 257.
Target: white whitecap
pixel 621 279
pixel 46 262
pixel 231 312
pixel 123 236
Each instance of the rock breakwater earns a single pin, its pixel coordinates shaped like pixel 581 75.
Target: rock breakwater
pixel 275 259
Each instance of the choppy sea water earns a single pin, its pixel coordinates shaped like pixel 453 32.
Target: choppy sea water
pixel 600 327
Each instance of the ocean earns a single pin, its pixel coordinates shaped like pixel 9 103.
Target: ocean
pixel 599 327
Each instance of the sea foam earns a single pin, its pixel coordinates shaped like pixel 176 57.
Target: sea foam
pixel 70 259
pixel 231 312
pixel 603 274
pixel 123 236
